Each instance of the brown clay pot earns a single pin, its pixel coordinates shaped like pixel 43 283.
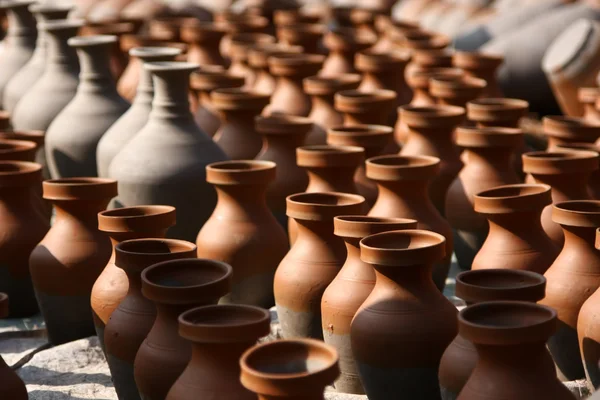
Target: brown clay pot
pixel 510 338
pixel 12 386
pixel 375 107
pixel 350 288
pixel 242 232
pixel 219 335
pixel 343 44
pixel 167 27
pixel 429 59
pixel 482 66
pixel 395 349
pixel 588 96
pixel 289 369
pixel 239 23
pixel 36 137
pixel 573 277
pixel 402 182
pixel 174 287
pixel 593 185
pixel 431 132
pixel 295 16
pixel 497 112
pixel 561 130
pixel 454 91
pixel 474 287
pixel 313 261
pixel 323 114
pixel 131 321
pixel 420 39
pixel 488 153
pixel 388 28
pixel 69 259
pixel 119 225
pixel 203 39
pixel 567 172
pixel 258 57
pixel 240 45
pixel 308 36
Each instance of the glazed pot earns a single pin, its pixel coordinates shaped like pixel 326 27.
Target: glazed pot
pixel 240 45
pixel 343 44
pixel 170 151
pixel 375 107
pixel 482 66
pixel 588 96
pixel 289 369
pixel 69 259
pixel 593 185
pixel 313 261
pixel 431 132
pixel 203 39
pixel 119 225
pixel 308 36
pixel 134 119
pixel 12 386
pixel 350 289
pixel 238 108
pixel 242 232
pixel 474 287
pixel 219 335
pixel 567 172
pixel 281 136
pixel 174 287
pixel 323 114
pixel 572 278
pixel 395 349
pixel 562 130
pixel 456 91
pixel 510 338
pixel 488 153
pixel 132 320
pixel 57 85
pixel 402 182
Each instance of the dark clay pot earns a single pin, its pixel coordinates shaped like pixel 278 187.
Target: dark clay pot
pixel 350 288
pixel 12 386
pixel 219 335
pixel 309 36
pixel 456 91
pixel 395 349
pixel 313 261
pixel 242 231
pixel 474 287
pixel 174 287
pixel 375 107
pixel 343 44
pixel 483 66
pixel 561 130
pixel 203 39
pixel 258 61
pixel 132 320
pixel 69 259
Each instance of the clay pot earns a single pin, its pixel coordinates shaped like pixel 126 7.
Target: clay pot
pixel 460 358
pixel 168 27
pixel 119 225
pixel 203 39
pixel 136 117
pixel 593 185
pixel 296 16
pixel 420 39
pixel 17 150
pixel 4 120
pixel 258 57
pixel 510 338
pixel 237 136
pixel 482 66
pixel 169 150
pixel 12 386
pixel 343 44
pixel 242 232
pixel 373 139
pixel 429 59
pixel 497 112
pixel 402 182
pixel 69 259
pixel 395 349
pixel 313 261
pixel 132 320
pixel 308 36
pixel 588 97
pixel 453 91
pixel 175 287
pixel 239 23
pixel 290 69
pixel 219 335
pixel 375 107
pixel 281 136
pixel 57 85
pixel 240 45
pixel 29 73
pixel 564 130
pixel 567 289
pixel 430 132
pixel 36 137
pixel 567 172
pixel 350 289
pixel 388 28
pixel 323 114
pixel 488 153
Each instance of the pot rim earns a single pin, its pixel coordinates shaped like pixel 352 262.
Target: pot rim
pixel 434 116
pixel 578 213
pixel 360 226
pixel 491 110
pixel 477 60
pixel 241 172
pixel 329 156
pixel 328 85
pixel 19 173
pixel 560 162
pixel 323 206
pixel 282 124
pixel 588 95
pixel 396 167
pixel 135 255
pixel 145 218
pixel 567 127
pixel 392 249
pixel 513 198
pixel 519 285
pixel 77 189
pixel 488 137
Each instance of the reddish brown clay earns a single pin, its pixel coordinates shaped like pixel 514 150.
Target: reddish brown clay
pixel 12 386
pixel 483 66
pixel 562 130
pixel 395 349
pixel 308 36
pixel 258 61
pixel 375 107
pixel 423 60
pixel 240 45
pixel 203 39
pixel 17 150
pixel 419 39
pixel 36 137
pixel 456 91
pixel 593 184
pixel 388 28
pixel 497 112
pixel 588 96
pixel 343 44
pixel 296 16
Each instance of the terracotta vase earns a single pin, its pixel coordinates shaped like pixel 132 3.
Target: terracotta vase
pixel 561 130
pixel 69 259
pixel 588 97
pixel 237 136
pixel 388 28
pixel 395 349
pixel 136 117
pixel 402 182
pixel 375 107
pixel 258 56
pixel 240 45
pixel 57 85
pixel 343 44
pixel 350 288
pixel 281 136
pixel 174 287
pixel 593 184
pixel 12 386
pixel 488 153
pixel 482 66
pixel 454 91
pixel 242 232
pixel 460 358
pixel 572 279
pixel 567 172
pixel 132 320
pixel 510 338
pixel 119 225
pixel 431 132
pixel 170 151
pixel 290 69
pixel 203 39
pixel 313 261
pixel 308 36
pixel 29 73
pixel 323 114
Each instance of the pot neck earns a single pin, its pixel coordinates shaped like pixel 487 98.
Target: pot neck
pixel 531 356
pixel 511 226
pixel 316 235
pixel 495 158
pixel 323 103
pixel 218 356
pixel 61 56
pixel 438 139
pixel 572 186
pixel 422 97
pixel 145 89
pixel 171 95
pixel 118 237
pixel 579 238
pixel 240 202
pixel 404 280
pixel 498 123
pixel 284 144
pixel 166 325
pixel 406 192
pixel 331 179
pixel 388 80
pixel 83 212
pixel 242 118
pixel 17 200
pixel 22 31
pixel 96 76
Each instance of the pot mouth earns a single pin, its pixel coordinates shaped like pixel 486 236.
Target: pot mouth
pixel 578 213
pixel 487 137
pixel 19 173
pixel 58 25
pixel 92 41
pixel 91 189
pixel 323 206
pixel 301 29
pixel 296 59
pixel 50 8
pixel 492 110
pixel 362 97
pixel 151 53
pixel 282 124
pixel 258 55
pixel 419 40
pixel 198 31
pixel 437 116
pixel 588 95
pixel 576 146
pixel 321 85
pixel 241 43
pixel 8 146
pixel 238 99
pixel 138 254
pixel 288 17
pixel 8 4
pixel 348 39
pixel 328 156
pixel 399 167
pixel 360 226
pixel 403 248
pixel 513 198
pixel 451 87
pixel 365 136
pixel 375 61
pixel 36 137
pixel 242 22
pixel 384 22
pixel 477 60
pixel 560 162
pixel 171 66
pixel 420 79
pixel 117 28
pixel 477 286
pixel 152 218
pixel 209 78
pixel 572 128
pixel 240 172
